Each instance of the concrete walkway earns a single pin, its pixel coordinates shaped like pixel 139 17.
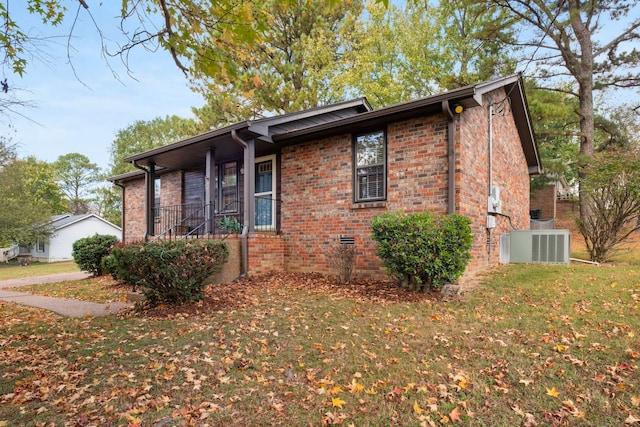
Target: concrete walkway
pixel 63 306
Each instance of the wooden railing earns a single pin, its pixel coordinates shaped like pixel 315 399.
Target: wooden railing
pixel 7 254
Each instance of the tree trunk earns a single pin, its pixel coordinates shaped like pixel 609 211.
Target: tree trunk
pixel 583 72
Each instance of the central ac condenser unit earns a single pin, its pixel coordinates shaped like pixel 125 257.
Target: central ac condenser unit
pixel 539 246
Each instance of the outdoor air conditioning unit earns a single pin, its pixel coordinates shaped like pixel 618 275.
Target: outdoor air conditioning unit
pixel 539 246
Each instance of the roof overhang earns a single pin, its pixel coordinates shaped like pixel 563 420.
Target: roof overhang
pixel 467 97
pixel 349 116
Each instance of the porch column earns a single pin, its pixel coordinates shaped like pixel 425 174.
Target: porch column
pixel 250 184
pixel 209 189
pixel 151 198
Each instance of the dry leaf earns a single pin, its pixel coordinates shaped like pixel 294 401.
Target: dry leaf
pixel 553 392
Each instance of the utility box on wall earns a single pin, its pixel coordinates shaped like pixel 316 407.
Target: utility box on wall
pixel 539 246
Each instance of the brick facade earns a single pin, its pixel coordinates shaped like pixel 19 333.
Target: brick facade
pixel 509 174
pixel 134 211
pixel 171 188
pixel 544 199
pixel 315 186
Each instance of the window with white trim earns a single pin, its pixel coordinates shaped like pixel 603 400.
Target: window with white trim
pixel 370 166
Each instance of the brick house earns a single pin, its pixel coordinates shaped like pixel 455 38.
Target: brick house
pixel 299 184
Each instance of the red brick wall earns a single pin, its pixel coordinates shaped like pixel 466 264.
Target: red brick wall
pixel 317 192
pixel 266 253
pixel 545 200
pixel 509 173
pixel 171 188
pixel 134 217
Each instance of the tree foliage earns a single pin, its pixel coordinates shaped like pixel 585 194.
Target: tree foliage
pixel 399 54
pixel 573 54
pixel 76 175
pixel 25 206
pixel 612 184
pixel 146 135
pixel 289 67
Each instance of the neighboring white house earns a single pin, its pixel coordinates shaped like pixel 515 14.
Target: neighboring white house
pixel 66 230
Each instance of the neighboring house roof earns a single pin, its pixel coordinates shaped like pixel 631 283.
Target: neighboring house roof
pixel 59 222
pixel 334 119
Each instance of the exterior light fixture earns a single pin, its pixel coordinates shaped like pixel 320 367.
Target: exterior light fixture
pixel 458 109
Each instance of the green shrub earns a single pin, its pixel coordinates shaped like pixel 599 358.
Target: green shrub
pixel 121 264
pixel 89 251
pixel 423 251
pixel 172 272
pixel 230 225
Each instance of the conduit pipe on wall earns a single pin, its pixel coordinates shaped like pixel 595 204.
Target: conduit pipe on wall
pixel 451 148
pixel 246 217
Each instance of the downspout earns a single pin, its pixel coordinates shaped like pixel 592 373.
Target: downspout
pixel 122 211
pixel 149 196
pixel 451 155
pixel 244 243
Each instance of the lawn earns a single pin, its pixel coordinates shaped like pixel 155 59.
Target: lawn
pixel 530 345
pixel 14 270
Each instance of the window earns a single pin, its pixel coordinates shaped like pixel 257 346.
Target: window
pixel 40 245
pixel 265 192
pixel 370 166
pixel 157 186
pixel 228 187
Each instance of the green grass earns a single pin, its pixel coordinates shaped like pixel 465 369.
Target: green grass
pixel 555 344
pixel 14 270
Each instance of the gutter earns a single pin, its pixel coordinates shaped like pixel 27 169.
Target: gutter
pixel 244 243
pixel 451 156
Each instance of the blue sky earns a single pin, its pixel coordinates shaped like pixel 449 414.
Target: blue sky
pixel 84 115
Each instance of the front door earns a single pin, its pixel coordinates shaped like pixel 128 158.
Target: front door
pixel 265 193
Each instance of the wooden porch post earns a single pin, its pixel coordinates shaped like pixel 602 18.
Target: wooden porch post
pixel 209 189
pixel 250 184
pixel 151 199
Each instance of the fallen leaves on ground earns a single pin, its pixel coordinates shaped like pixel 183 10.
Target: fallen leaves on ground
pixel 302 349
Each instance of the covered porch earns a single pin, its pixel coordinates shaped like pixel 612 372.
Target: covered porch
pixel 219 183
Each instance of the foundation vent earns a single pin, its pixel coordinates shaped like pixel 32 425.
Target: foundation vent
pixel 347 240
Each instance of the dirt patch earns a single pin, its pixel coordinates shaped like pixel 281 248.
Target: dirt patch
pixel 245 292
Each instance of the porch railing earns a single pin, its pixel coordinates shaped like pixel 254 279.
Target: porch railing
pixel 7 254
pixel 190 220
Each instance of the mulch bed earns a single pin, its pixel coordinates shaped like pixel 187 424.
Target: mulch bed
pixel 245 292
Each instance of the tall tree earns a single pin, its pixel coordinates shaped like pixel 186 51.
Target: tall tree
pixel 566 39
pixel 146 135
pixel 24 211
pixel 398 54
pixel 288 68
pixel 77 176
pixel 107 203
pixel 40 182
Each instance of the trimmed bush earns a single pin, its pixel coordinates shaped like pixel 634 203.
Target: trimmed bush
pixel 343 259
pixel 170 272
pixel 121 264
pixel 89 251
pixel 423 251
